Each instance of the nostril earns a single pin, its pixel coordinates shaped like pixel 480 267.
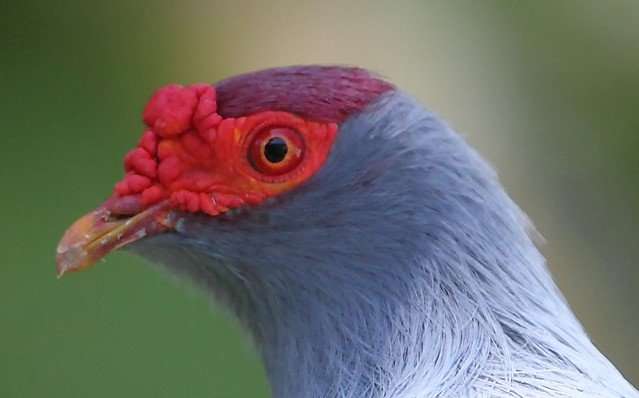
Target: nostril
pixel 111 217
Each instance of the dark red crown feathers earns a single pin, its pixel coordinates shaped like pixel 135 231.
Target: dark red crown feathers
pixel 319 93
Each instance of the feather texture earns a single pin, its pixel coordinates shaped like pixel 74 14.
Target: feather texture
pixel 400 269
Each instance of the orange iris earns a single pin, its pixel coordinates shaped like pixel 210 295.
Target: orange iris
pixel 275 150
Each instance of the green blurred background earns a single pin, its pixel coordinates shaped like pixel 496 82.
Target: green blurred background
pixel 547 91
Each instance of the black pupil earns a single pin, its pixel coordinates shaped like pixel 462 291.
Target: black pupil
pixel 275 150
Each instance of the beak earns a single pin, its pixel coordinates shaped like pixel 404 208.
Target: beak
pixel 100 232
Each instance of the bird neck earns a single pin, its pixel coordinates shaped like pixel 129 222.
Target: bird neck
pixel 448 297
pixel 434 337
pixel 445 295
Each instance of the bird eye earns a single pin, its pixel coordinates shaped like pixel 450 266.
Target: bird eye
pixel 275 150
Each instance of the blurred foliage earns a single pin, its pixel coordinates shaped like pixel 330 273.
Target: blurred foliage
pixel 547 90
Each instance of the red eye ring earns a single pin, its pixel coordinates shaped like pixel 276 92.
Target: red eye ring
pixel 275 150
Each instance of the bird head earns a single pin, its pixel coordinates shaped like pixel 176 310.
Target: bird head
pixel 209 151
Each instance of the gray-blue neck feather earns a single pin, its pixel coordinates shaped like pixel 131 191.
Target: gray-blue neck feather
pixel 400 269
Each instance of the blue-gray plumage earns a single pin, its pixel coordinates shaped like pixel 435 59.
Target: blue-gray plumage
pixel 401 268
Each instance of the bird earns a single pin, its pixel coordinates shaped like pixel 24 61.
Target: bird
pixel 364 246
